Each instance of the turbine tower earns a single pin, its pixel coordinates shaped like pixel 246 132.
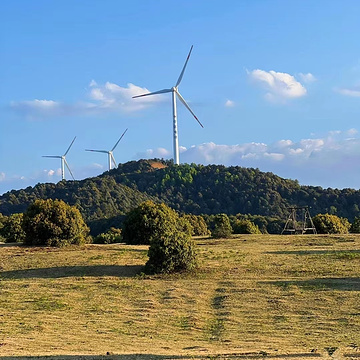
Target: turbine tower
pixel 175 93
pixel 63 161
pixel 110 152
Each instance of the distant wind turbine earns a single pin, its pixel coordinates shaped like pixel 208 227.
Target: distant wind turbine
pixel 110 152
pixel 63 161
pixel 175 92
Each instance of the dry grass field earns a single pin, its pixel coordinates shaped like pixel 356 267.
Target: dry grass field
pixel 254 296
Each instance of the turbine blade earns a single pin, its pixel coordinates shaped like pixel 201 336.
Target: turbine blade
pixel 154 93
pixel 119 140
pixel 70 146
pixel 52 156
pixel 100 151
pixel 188 107
pixel 67 165
pixel 183 70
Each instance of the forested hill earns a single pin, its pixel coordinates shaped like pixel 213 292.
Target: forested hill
pixel 96 198
pixel 191 188
pixel 216 189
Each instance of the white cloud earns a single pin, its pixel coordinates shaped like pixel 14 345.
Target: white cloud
pixel 307 78
pixel 352 132
pixel 105 98
pixel 2 176
pixel 279 86
pixel 349 92
pixel 229 103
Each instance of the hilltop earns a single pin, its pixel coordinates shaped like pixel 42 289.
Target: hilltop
pixel 196 189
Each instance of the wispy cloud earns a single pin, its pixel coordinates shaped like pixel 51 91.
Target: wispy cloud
pixel 307 78
pixel 278 85
pixel 349 92
pixel 229 103
pixel 105 98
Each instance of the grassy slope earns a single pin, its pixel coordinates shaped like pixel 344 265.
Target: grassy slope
pixel 252 295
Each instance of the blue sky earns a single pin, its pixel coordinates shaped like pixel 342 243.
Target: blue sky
pixel 275 83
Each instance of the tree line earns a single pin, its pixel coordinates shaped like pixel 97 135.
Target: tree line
pixel 244 193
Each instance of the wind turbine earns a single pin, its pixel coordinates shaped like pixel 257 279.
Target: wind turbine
pixel 63 161
pixel 110 152
pixel 175 93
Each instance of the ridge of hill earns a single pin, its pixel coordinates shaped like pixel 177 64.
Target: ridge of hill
pixel 196 189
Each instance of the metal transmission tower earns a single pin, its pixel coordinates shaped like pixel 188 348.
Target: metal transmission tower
pixel 299 221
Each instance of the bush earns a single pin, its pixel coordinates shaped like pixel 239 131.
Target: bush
pixel 110 237
pixel 245 227
pixel 222 227
pixel 169 237
pixel 12 230
pixel 149 221
pixel 171 253
pixel 355 226
pixel 199 227
pixel 54 223
pixel 331 224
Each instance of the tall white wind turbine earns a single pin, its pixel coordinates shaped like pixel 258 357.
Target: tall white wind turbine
pixel 175 93
pixel 110 152
pixel 63 161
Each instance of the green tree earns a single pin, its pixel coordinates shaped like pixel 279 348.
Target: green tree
pixel 199 227
pixel 168 235
pixel 12 230
pixel 110 237
pixel 174 252
pixel 222 227
pixel 245 227
pixel 54 223
pixel 331 224
pixel 355 226
pixel 150 221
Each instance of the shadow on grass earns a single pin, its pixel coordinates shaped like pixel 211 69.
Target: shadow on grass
pixel 258 355
pixel 74 271
pixel 344 284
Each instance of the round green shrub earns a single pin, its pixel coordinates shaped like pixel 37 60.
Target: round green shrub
pixel 12 230
pixel 110 237
pixel 331 224
pixel 245 227
pixel 222 227
pixel 171 253
pixel 149 221
pixel 199 227
pixel 54 223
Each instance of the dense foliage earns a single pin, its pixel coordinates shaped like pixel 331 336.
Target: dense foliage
pixel 110 237
pixel 168 235
pixel 12 229
pixel 355 226
pixel 100 200
pixel 245 226
pixel 198 224
pixel 54 223
pixel 331 224
pixel 150 221
pixel 173 252
pixel 221 227
pixel 191 189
